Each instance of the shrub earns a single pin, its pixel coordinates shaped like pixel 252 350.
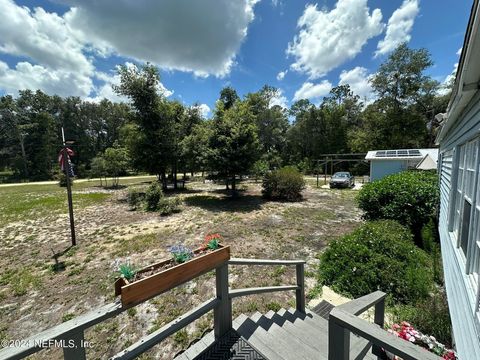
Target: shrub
pixel 285 184
pixel 429 235
pixel 62 179
pixel 152 197
pixel 410 197
pixel 168 205
pixel 429 316
pixel 135 198
pixel 380 255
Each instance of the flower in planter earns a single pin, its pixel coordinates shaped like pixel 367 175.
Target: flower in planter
pixel 212 241
pixel 180 253
pixel 407 332
pixel 125 269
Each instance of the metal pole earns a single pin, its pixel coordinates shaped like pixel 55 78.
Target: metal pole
pixel 325 172
pixel 69 190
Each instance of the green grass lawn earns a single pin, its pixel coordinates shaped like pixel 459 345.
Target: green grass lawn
pixel 21 202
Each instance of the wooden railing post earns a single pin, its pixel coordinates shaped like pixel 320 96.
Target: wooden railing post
pixel 380 321
pixel 74 348
pixel 338 341
pixel 300 292
pixel 222 314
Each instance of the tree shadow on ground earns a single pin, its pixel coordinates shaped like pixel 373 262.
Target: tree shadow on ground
pixel 242 203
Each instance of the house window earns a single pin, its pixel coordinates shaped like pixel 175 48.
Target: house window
pixel 464 236
pixel 459 190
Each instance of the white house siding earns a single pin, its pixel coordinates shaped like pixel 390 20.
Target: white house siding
pixel 461 269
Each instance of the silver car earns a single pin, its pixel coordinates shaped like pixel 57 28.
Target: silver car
pixel 342 179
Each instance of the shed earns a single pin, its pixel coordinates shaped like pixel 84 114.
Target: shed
pixel 386 162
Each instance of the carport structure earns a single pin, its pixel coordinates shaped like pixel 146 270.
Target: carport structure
pixel 327 161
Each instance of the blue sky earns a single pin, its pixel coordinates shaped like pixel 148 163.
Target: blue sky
pixel 71 47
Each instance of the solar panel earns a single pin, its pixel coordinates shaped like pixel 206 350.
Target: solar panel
pixel 398 153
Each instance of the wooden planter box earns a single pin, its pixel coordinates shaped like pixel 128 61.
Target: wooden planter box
pixel 148 287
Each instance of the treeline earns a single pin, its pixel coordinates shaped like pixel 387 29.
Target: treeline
pixel 244 135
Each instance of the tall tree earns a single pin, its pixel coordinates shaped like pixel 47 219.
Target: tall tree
pixel 233 143
pixel 150 140
pixel 399 117
pixel 272 124
pixel 228 97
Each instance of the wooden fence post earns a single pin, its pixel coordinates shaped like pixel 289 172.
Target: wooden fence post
pixel 300 292
pixel 74 346
pixel 338 341
pixel 222 314
pixel 379 320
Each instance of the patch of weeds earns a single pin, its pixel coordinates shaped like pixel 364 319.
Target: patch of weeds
pixel 132 312
pixel 279 271
pixel 274 306
pixel 67 316
pixel 315 292
pixel 31 238
pixel 76 271
pixel 135 244
pixel 251 306
pixel 202 325
pixel 71 251
pixel 20 280
pixel 181 338
pixel 291 303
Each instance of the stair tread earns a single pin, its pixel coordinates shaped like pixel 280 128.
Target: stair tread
pixel 261 340
pixel 289 339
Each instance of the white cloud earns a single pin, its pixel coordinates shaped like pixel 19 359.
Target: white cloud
pixel 56 62
pixel 358 79
pixel 204 110
pixel 445 86
pixel 281 75
pixel 329 38
pixel 43 37
pixel 198 36
pixel 312 91
pixel 33 77
pixel 57 53
pixel 399 27
pixel 279 99
pixel 459 51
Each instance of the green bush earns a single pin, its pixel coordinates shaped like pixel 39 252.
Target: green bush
pixel 410 197
pixel 429 235
pixel 429 316
pixel 152 197
pixel 62 179
pixel 169 205
pixel 283 184
pixel 380 255
pixel 135 198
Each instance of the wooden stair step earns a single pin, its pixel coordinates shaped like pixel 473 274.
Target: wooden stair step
pixel 308 334
pixel 297 348
pixel 257 337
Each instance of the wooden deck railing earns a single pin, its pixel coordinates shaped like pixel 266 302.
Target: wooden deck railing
pixel 71 332
pixel 344 320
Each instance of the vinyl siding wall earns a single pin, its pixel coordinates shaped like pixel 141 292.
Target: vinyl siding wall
pixel 459 194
